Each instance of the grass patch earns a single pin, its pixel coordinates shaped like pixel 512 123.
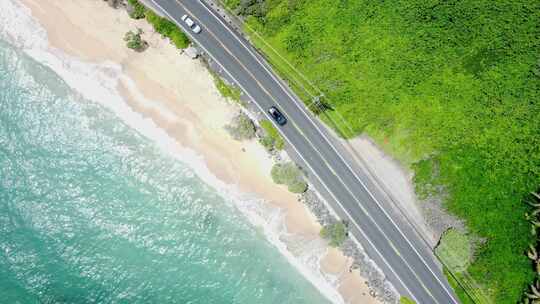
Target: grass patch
pixel 463 296
pixel 454 250
pixel 405 300
pixel 228 91
pixel 272 139
pixel 425 179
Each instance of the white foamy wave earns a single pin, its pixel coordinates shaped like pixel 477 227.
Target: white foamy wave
pixel 304 255
pixel 19 28
pixel 99 83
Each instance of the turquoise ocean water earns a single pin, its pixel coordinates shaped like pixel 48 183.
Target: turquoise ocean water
pixel 93 212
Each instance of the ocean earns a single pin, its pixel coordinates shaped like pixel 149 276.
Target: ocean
pixel 94 209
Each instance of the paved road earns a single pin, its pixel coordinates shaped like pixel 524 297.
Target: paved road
pixel 407 263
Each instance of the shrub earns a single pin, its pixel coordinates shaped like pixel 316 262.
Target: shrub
pixel 249 7
pixel 334 233
pixel 134 40
pixel 135 9
pixel 285 173
pixel 289 174
pixel 241 127
pixel 298 186
pixel 272 139
pixel 267 142
pixel 179 39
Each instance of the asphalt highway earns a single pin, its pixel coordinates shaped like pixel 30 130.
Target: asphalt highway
pixel 389 241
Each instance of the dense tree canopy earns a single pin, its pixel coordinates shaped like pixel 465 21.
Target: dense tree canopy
pixel 453 84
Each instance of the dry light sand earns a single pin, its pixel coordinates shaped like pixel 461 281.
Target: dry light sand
pixel 178 94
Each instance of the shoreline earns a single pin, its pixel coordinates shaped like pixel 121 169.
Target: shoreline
pixel 182 100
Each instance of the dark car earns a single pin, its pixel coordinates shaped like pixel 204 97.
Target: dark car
pixel 277 116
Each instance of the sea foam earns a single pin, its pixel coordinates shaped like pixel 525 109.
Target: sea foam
pixel 99 82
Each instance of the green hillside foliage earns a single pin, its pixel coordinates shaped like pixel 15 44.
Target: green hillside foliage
pixel 452 83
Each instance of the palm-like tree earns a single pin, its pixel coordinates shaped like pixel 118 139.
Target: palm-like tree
pixel 532 253
pixel 533 217
pixel 532 296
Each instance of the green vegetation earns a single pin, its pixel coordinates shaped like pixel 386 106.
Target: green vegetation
pixel 227 91
pixel 161 25
pixel 271 139
pixel 405 300
pixel 454 250
pixel 231 3
pixel 460 292
pixel 289 174
pixel 241 127
pixel 134 40
pixel 425 179
pixel 450 88
pixel 136 10
pixel 335 233
pixel 167 29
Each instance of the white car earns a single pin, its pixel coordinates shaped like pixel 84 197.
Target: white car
pixel 191 24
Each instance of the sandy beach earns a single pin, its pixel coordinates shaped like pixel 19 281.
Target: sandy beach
pixel 179 95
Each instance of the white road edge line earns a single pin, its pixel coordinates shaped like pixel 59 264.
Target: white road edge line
pixel 290 143
pixel 329 143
